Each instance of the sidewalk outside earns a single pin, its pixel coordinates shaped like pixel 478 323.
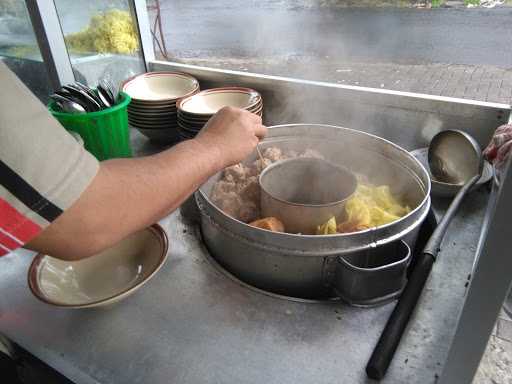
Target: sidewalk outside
pixel 482 83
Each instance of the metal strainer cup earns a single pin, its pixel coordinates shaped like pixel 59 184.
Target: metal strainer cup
pixel 305 192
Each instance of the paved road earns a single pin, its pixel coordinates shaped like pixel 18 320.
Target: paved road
pixel 406 36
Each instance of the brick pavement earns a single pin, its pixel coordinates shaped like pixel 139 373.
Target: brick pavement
pixel 482 82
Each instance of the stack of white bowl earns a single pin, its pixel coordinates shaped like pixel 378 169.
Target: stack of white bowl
pixel 154 95
pixel 195 111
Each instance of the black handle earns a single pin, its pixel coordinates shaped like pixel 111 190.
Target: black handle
pixel 390 338
pixel 435 240
pixel 386 346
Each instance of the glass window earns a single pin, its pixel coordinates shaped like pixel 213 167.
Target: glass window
pixel 440 47
pixel 102 39
pixel 19 49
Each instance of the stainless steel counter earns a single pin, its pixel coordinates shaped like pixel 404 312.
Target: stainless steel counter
pixel 192 324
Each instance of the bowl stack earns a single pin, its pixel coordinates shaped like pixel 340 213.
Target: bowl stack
pixel 195 111
pixel 154 95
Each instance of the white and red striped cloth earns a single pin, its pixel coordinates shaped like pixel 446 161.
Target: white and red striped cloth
pixel 43 170
pixel 15 229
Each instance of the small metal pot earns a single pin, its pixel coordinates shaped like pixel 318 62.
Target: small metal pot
pixel 304 193
pixel 374 276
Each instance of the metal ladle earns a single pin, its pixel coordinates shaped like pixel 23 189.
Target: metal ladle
pixel 454 157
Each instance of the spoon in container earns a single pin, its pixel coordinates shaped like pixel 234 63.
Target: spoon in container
pixel 454 157
pixel 109 87
pixel 104 96
pixel 67 105
pixel 260 155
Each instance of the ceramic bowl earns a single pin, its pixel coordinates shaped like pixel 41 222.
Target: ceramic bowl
pixel 150 113
pixel 191 131
pixel 161 135
pixel 153 87
pixel 153 105
pixel 211 101
pixel 166 120
pixel 102 279
pixel 187 119
pixel 257 108
pixel 441 189
pixel 152 126
pixel 153 112
pixel 194 120
pixel 146 124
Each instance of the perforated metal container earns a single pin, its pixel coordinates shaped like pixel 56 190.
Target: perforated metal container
pixel 301 265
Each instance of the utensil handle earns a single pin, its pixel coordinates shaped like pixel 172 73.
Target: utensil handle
pixel 260 155
pixel 435 240
pixel 390 338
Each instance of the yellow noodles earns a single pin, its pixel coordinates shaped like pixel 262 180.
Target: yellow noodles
pixel 329 228
pixel 369 207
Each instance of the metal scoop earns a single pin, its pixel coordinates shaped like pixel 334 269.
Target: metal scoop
pixel 454 157
pixel 305 192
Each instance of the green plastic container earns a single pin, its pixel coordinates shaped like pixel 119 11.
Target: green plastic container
pixel 105 133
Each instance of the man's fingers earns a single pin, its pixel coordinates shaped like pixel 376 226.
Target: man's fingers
pixel 504 152
pixel 260 131
pixel 503 128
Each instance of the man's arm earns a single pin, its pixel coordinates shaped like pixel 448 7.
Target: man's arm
pixel 129 194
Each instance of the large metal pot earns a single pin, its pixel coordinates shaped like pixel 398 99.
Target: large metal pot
pixel 304 265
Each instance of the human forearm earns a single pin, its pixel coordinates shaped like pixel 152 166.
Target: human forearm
pixel 130 194
pixel 127 195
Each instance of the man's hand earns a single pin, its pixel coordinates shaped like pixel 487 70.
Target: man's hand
pixel 234 133
pixel 500 147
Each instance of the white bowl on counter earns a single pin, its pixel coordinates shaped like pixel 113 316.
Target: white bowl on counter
pixel 102 279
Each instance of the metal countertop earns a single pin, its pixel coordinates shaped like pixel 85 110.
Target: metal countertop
pixel 192 324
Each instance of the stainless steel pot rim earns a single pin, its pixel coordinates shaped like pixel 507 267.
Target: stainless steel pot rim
pixel 320 252
pixel 269 139
pixel 278 163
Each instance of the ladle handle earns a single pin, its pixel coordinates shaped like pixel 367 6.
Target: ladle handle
pixel 390 338
pixel 386 346
pixel 433 244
